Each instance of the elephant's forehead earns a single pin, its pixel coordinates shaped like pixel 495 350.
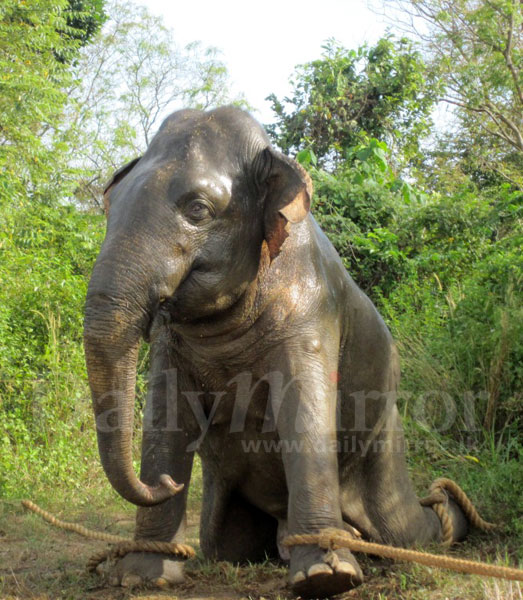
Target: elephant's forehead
pixel 228 122
pixel 166 181
pixel 207 140
pixel 193 154
pixel 195 172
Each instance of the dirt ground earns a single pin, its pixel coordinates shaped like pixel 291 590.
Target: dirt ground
pixel 41 563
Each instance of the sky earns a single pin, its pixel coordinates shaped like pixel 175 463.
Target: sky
pixel 262 42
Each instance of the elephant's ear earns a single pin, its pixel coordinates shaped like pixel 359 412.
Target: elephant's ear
pixel 288 198
pixel 117 177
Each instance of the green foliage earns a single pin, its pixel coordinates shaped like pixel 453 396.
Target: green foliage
pixel 380 91
pixel 31 91
pixel 47 256
pixel 458 317
pixel 84 19
pixel 448 233
pixel 46 247
pixel 356 207
pixel 463 344
pixel 37 41
pixel 486 326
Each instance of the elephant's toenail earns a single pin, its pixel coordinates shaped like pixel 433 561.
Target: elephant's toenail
pixel 319 569
pixel 347 568
pixel 298 577
pixel 113 580
pixel 130 580
pixel 160 582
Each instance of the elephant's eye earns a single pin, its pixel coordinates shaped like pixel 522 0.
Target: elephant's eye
pixel 199 211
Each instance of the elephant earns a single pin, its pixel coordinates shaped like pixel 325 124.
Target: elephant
pixel 266 359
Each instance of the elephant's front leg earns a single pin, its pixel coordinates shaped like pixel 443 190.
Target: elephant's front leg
pixel 164 522
pixel 164 450
pixel 305 416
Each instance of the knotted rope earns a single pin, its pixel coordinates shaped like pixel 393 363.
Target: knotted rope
pixel 332 538
pixel 438 501
pixel 120 546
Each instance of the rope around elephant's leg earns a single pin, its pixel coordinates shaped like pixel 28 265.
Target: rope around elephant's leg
pixel 438 500
pixel 120 546
pixel 119 550
pixel 337 538
pixel 332 538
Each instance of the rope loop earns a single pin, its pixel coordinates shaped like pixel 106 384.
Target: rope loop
pixel 181 551
pixel 343 539
pixel 438 499
pixel 120 546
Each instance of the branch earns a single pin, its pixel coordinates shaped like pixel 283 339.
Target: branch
pixel 510 124
pixel 494 114
pixel 508 58
pixel 510 180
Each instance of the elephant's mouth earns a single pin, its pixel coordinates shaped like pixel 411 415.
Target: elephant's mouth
pixel 147 332
pixel 186 300
pixel 164 314
pixel 169 309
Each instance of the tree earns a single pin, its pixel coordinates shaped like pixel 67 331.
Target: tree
pixel 127 80
pixel 84 19
pixel 47 247
pixel 355 118
pixel 476 48
pixel 34 39
pixel 380 91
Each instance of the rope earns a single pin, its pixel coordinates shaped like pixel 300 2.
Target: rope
pixel 120 546
pixel 327 539
pixel 180 550
pixel 331 538
pixel 438 500
pixel 88 533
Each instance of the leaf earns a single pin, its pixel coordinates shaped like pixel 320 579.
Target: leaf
pixel 304 157
pixel 471 458
pixel 364 154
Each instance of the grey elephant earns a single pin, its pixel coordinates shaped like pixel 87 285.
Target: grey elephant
pixel 266 359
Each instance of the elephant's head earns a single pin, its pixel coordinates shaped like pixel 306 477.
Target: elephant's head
pixel 186 226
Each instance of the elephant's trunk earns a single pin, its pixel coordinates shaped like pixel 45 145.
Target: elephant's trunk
pixel 115 321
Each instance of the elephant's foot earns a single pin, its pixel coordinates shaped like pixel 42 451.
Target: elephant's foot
pixel 317 573
pixel 459 521
pixel 144 568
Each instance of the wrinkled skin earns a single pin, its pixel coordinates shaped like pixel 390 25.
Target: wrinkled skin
pixel 258 334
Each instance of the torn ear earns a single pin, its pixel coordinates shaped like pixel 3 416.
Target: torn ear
pixel 288 199
pixel 116 178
